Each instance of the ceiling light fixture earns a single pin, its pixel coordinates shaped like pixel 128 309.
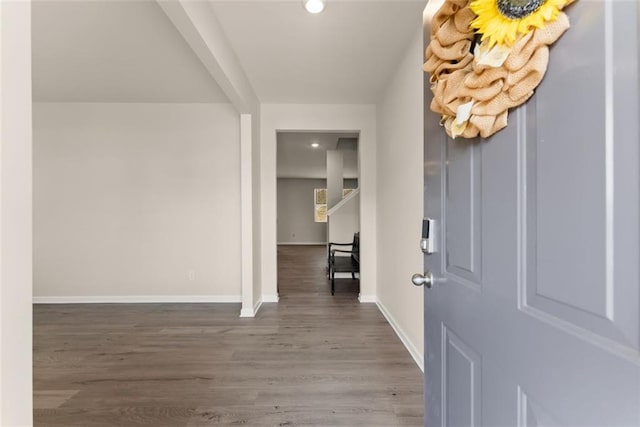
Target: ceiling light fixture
pixel 314 6
pixel 315 145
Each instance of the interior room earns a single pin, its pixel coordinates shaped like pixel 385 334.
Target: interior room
pixel 318 203
pixel 319 212
pixel 155 194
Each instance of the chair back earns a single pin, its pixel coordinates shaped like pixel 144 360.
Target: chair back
pixel 356 247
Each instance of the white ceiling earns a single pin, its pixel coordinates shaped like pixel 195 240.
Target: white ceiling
pixel 345 54
pixel 114 51
pixel 129 51
pixel 297 159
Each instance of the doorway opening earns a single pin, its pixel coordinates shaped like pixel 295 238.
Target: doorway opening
pixel 317 203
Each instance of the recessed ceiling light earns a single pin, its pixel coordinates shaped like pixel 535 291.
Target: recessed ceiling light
pixel 315 145
pixel 314 6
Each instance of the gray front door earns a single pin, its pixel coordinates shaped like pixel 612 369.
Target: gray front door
pixel 535 321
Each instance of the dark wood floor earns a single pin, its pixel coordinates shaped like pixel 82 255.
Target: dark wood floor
pixel 312 359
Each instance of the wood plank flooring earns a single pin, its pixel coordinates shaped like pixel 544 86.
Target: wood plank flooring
pixel 312 359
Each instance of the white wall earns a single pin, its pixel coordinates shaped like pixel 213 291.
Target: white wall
pixel 246 213
pixel 335 177
pixel 16 390
pixel 400 197
pixel 342 118
pixel 296 212
pixel 256 208
pixel 129 198
pixel 344 220
pixel 296 223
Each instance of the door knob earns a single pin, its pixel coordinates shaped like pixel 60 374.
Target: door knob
pixel 423 279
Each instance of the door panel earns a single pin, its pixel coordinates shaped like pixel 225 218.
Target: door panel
pixel 461 386
pixel 573 253
pixel 462 208
pixel 531 414
pixel 571 210
pixel 536 323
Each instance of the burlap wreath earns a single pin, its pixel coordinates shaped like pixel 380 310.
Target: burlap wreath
pixel 458 77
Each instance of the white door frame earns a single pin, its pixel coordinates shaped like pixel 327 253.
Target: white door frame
pixel 16 330
pixel 319 118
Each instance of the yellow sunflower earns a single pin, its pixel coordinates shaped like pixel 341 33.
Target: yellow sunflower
pixel 501 21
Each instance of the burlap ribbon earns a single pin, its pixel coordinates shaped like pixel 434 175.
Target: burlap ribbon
pixel 457 78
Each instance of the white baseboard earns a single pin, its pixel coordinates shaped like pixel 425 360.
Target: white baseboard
pixel 302 243
pixel 251 312
pixel 270 298
pixel 138 299
pixel 366 299
pixel 417 355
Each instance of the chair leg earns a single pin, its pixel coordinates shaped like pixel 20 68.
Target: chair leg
pixel 353 275
pixel 333 282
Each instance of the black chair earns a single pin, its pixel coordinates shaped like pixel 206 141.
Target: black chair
pixel 344 264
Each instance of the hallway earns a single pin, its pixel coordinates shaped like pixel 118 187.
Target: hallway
pixel 302 277
pixel 311 359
